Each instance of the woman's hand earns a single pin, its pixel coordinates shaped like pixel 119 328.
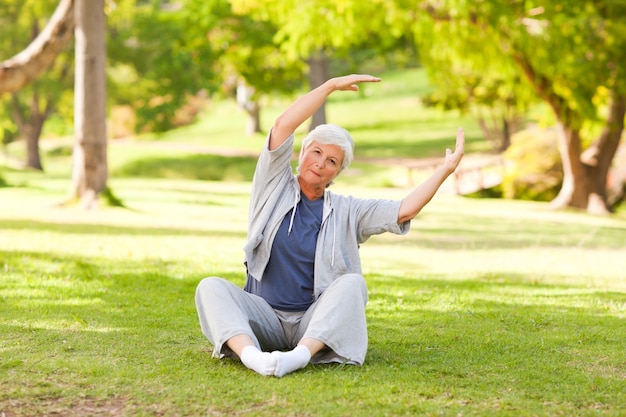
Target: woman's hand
pixel 452 159
pixel 349 82
pixel 306 105
pixel 415 201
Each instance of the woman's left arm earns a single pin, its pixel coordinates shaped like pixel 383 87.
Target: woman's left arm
pixel 415 201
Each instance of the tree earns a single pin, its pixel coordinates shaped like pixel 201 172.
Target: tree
pixel 90 172
pixel 160 60
pixel 162 55
pixel 316 30
pixel 29 108
pixel 572 57
pixel 33 95
pixel 246 57
pixel 87 20
pixel 499 105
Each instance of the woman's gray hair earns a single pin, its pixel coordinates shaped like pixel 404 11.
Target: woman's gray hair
pixel 330 134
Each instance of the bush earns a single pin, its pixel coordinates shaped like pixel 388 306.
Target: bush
pixel 60 151
pixel 533 166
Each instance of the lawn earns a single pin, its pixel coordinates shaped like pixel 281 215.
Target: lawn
pixel 487 307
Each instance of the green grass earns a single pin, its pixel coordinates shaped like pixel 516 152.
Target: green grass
pixel 487 307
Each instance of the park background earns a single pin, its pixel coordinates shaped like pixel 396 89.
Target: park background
pixel 505 301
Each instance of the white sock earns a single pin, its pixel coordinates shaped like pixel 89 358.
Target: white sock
pixel 293 360
pixel 260 362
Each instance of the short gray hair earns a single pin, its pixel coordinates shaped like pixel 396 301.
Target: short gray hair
pixel 330 134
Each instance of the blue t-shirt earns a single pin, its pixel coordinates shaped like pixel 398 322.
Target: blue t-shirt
pixel 287 283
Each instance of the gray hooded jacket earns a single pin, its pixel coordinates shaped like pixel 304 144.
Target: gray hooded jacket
pixel 346 221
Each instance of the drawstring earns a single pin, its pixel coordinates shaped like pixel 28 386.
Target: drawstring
pixel 330 213
pixel 332 256
pixel 293 213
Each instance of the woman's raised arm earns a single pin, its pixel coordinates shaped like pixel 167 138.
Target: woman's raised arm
pixel 415 201
pixel 306 105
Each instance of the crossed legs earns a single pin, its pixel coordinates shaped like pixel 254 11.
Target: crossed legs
pixel 242 324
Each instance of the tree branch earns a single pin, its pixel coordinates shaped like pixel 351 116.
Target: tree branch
pixel 26 66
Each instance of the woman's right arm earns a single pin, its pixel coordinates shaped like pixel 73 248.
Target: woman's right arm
pixel 304 107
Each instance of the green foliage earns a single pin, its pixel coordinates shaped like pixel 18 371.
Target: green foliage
pixel 9 131
pixel 245 49
pixel 60 150
pixel 304 28
pixel 533 166
pixel 23 14
pixel 159 59
pixel 387 120
pixel 500 105
pixel 163 57
pixel 571 57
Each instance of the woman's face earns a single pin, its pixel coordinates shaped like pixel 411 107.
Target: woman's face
pixel 320 164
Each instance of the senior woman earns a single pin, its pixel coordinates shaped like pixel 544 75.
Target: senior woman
pixel 305 295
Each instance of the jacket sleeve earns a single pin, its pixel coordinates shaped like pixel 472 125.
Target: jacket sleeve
pixel 271 170
pixel 376 216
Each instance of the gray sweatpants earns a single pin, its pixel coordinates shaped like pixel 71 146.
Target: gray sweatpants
pixel 336 318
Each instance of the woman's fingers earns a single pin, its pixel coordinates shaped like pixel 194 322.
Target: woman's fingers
pixel 349 82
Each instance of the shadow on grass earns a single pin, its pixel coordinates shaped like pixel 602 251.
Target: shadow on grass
pixel 211 192
pixel 200 167
pixel 199 196
pixel 97 229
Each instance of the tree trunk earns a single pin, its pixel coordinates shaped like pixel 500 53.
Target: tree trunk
pixel 584 185
pixel 38 57
pixel 574 190
pixel 254 118
pixel 585 173
pixel 597 158
pixel 33 159
pixel 245 100
pixel 30 127
pixel 318 74
pixel 89 175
